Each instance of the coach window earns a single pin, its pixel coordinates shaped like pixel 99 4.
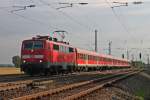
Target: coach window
pixel 56 47
pixel 64 48
pixel 60 48
pixel 83 56
pixel 107 59
pixel 100 58
pixel 67 50
pixel 96 58
pixel 103 59
pixel 88 57
pixel 80 56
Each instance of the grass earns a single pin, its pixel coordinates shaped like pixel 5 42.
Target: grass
pixel 140 93
pixel 9 70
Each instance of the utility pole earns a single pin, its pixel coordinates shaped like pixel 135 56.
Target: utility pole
pixel 109 48
pixel 132 57
pixel 148 59
pixel 127 54
pixel 96 40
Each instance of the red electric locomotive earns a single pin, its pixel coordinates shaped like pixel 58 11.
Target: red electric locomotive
pixel 43 55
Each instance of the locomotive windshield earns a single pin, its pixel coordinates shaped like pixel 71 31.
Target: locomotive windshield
pixel 33 45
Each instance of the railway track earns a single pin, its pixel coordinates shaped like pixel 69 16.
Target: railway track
pixel 76 90
pixel 20 77
pixel 38 86
pixel 96 86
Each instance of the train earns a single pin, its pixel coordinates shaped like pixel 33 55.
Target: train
pixel 46 55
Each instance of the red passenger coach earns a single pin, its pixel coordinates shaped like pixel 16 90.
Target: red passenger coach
pixel 89 60
pixel 44 54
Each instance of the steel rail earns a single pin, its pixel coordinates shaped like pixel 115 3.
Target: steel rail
pixel 61 89
pixel 88 91
pixel 38 81
pixel 14 85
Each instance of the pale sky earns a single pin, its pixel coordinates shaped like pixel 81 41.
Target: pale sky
pixel 125 26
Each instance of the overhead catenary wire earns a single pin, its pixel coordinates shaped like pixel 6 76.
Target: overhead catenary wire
pixel 66 15
pixel 63 13
pixel 25 17
pixel 32 1
pixel 117 17
pixel 29 19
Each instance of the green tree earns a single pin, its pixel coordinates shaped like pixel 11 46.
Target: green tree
pixel 16 60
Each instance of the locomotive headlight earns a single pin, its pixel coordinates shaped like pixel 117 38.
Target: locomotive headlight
pixel 39 56
pixel 41 61
pixel 24 61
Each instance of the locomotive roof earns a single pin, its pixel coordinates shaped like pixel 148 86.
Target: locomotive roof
pixel 51 41
pixel 61 43
pixel 87 52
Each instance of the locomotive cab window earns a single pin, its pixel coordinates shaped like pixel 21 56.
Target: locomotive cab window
pixel 33 45
pixel 28 45
pixel 38 44
pixel 55 47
